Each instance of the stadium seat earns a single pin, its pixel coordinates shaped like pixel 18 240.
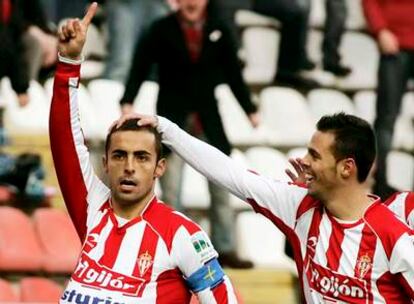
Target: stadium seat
pixel 146 100
pixel 19 247
pixel 365 102
pixel 261 48
pixel 31 119
pixel 247 18
pixel 40 290
pixel 285 116
pixel 59 240
pixel 259 241
pixel 7 294
pixel 360 52
pixel 400 170
pixel 105 98
pixel 326 102
pixel 408 105
pixel 356 19
pixel 268 161
pixel 235 121
pixel 194 193
pixel 403 133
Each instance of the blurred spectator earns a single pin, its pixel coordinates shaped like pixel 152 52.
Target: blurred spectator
pixel 12 62
pixel 194 52
pixel 39 42
pixel 293 15
pixel 127 19
pixel 392 25
pixel 336 13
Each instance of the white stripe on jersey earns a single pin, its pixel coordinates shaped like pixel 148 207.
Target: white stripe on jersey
pixel 98 251
pixel 323 241
pixel 127 254
pixel 302 229
pixel 349 250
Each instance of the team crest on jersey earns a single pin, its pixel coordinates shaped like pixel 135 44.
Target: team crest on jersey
pixel 203 246
pixel 144 263
pixel 364 264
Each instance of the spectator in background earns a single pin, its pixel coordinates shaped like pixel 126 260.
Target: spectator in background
pixel 293 15
pixel 392 25
pixel 12 61
pixel 127 19
pixel 194 53
pixel 39 41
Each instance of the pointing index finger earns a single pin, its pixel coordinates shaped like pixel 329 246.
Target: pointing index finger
pixel 90 13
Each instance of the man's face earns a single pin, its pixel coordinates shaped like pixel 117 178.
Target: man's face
pixel 132 167
pixel 320 165
pixel 192 10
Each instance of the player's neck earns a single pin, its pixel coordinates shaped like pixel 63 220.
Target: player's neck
pixel 349 203
pixel 131 210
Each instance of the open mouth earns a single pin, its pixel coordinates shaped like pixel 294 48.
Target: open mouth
pixel 127 184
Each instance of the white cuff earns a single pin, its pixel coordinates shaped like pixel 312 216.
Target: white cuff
pixel 70 61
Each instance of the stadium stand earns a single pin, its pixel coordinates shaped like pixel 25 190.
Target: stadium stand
pixel 60 250
pixel 7 293
pixel 19 249
pixel 40 290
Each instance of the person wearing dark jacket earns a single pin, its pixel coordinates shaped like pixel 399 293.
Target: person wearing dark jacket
pixel 194 53
pixel 12 62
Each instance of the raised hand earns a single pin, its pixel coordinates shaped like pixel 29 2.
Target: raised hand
pixel 72 34
pixel 299 177
pixel 144 120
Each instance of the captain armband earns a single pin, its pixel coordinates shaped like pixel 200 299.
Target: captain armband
pixel 208 276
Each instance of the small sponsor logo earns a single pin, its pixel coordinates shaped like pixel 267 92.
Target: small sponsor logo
pixel 364 264
pixel 144 263
pixel 203 246
pixel 336 286
pixel 91 273
pixel 312 241
pixel 73 296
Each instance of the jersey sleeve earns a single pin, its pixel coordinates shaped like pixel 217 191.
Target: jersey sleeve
pixel 196 258
pixel 278 201
pixel 402 262
pixel 82 191
pixel 402 204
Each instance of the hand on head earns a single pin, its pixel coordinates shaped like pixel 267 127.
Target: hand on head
pixel 72 34
pixel 144 120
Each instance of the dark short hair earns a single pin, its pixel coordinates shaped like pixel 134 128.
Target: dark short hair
pixel 131 125
pixel 354 138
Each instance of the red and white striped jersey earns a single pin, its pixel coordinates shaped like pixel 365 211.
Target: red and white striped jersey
pixel 367 261
pixel 402 204
pixel 158 257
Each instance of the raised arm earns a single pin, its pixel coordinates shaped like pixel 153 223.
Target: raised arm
pixel 276 200
pixel 77 180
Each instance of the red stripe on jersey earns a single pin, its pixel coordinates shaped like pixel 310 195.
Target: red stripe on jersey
pixel 171 288
pixel 390 289
pixel 305 205
pixel 313 235
pixel 409 204
pixel 334 252
pixel 92 236
pixel 112 243
pixel 63 149
pixel 145 257
pixel 220 293
pixel 365 258
pixel 378 214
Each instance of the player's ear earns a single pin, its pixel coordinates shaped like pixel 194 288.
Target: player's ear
pixel 160 168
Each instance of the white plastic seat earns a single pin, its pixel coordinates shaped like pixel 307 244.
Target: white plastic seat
pixel 31 119
pixel 268 161
pixel 259 241
pixel 403 133
pixel 194 190
pixel 261 48
pixel 365 102
pixel 285 117
pixel 400 170
pixel 360 52
pixel 146 100
pixel 247 18
pixel 355 19
pixel 235 121
pixel 326 102
pixel 105 95
pixel 408 105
